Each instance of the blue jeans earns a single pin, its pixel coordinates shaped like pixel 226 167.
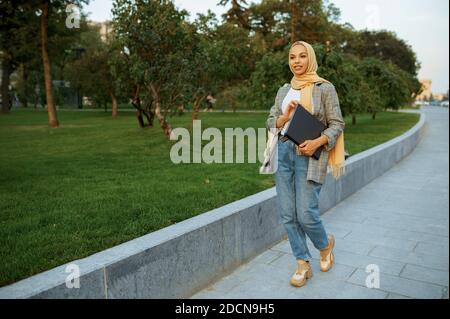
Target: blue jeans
pixel 298 201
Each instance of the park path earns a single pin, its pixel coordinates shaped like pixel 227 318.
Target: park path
pixel 398 222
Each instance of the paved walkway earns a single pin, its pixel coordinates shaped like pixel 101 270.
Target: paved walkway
pixel 399 222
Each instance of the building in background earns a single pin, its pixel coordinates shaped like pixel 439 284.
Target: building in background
pixel 428 94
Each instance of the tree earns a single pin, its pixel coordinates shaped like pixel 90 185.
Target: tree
pixel 206 58
pixel 225 58
pixel 341 70
pixel 92 73
pixel 266 20
pixel 52 117
pixel 281 22
pixel 387 81
pixel 154 34
pixel 237 14
pixel 18 45
pixel 294 21
pixel 386 46
pixel 309 20
pixel 46 8
pixel 270 73
pixel 28 39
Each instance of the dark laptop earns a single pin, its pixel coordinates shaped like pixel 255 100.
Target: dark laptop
pixel 304 126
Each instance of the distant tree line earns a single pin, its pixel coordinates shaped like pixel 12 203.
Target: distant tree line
pixel 161 63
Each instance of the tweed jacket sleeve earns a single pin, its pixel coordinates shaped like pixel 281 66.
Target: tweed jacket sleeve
pixel 275 110
pixel 334 119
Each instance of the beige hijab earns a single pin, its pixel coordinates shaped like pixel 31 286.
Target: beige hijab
pixel 305 83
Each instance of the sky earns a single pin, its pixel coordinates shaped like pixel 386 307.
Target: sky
pixel 422 24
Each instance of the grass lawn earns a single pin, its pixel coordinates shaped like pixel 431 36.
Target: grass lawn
pixel 96 182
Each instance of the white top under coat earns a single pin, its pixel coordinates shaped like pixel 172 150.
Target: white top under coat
pixel 291 95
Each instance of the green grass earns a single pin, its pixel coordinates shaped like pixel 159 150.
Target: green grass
pixel 411 107
pixel 96 182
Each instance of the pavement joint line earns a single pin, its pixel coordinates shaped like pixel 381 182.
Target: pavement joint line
pixel 402 270
pixel 276 258
pixel 381 272
pixel 412 264
pixel 389 292
pixel 410 215
pixel 350 231
pixel 384 236
pixel 445 238
pixel 365 218
pixel 399 213
pixel 364 286
pixel 371 249
pixel 423 281
pixel 409 229
pixel 354 270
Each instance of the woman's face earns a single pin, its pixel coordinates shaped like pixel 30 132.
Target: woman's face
pixel 298 59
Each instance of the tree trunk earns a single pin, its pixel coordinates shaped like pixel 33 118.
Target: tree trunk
pixel 353 119
pixel 373 115
pixel 136 102
pixel 294 19
pixel 196 107
pixel 140 118
pixel 6 72
pixel 149 115
pixel 114 104
pixel 52 118
pixel 25 91
pixel 162 121
pixel 233 105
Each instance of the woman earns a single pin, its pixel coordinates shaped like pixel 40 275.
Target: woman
pixel 299 177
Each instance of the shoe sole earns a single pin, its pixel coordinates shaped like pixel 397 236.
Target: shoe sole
pixel 308 275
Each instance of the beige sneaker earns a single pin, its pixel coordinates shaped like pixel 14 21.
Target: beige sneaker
pixel 326 255
pixel 304 272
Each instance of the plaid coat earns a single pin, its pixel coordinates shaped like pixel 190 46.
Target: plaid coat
pixel 326 109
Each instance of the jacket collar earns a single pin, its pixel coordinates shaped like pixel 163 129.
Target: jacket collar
pixel 315 84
